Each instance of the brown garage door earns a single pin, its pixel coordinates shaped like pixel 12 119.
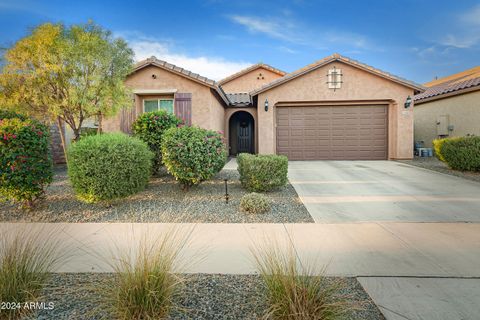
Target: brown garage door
pixel 332 132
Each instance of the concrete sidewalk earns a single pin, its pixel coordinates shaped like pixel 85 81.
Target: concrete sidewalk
pixel 359 249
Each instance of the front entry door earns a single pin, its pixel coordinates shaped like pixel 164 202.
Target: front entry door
pixel 244 130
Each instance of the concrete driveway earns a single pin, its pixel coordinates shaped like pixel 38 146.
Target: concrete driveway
pixel 387 191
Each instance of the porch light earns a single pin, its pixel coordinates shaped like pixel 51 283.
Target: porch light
pixel 266 105
pixel 408 102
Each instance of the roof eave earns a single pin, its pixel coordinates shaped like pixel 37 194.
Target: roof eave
pixel 145 63
pixel 446 95
pixel 417 87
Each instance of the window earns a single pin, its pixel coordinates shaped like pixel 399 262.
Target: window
pixel 158 104
pixel 334 78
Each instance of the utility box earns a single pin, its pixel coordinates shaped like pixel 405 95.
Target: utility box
pixel 442 125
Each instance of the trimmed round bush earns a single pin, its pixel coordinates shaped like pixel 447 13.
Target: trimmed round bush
pixel 261 173
pixel 150 127
pixel 193 154
pixel 26 166
pixel 255 203
pixel 461 153
pixel 108 166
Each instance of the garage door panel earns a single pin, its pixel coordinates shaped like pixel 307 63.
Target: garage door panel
pixel 332 132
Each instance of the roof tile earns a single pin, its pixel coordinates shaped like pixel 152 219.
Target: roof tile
pixel 447 87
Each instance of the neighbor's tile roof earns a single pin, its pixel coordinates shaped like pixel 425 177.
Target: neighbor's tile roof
pixel 171 67
pixel 451 85
pixel 338 57
pixel 251 68
pixel 237 99
pixel 461 76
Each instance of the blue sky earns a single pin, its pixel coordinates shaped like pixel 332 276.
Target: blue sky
pixel 417 40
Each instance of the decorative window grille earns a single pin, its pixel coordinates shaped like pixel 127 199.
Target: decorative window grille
pixel 334 78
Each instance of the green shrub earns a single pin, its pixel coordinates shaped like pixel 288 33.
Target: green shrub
pixel 150 127
pixel 437 147
pixel 6 114
pixel 108 166
pixel 26 166
pixel 192 154
pixel 88 131
pixel 255 203
pixel 262 173
pixel 461 153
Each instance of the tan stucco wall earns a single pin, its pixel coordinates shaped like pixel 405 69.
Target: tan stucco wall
pixel 249 82
pixel 463 112
pixel 228 114
pixel 357 85
pixel 207 111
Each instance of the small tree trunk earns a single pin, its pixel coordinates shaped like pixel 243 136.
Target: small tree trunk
pixel 76 134
pixel 62 137
pixel 100 118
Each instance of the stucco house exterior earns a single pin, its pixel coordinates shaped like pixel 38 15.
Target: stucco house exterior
pixel 449 107
pixel 336 108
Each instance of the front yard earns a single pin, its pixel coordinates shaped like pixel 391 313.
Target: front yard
pixel 163 201
pixel 206 296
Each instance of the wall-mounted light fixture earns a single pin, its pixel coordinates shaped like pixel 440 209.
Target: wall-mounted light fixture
pixel 408 102
pixel 266 105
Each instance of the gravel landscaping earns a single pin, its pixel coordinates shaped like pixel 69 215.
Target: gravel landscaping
pixel 206 297
pixel 163 201
pixel 432 163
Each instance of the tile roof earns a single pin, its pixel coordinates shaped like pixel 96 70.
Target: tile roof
pixel 457 77
pixel 239 99
pixel 451 87
pixel 171 67
pixel 251 68
pixel 338 57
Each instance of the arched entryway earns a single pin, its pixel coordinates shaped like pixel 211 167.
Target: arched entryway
pixel 241 133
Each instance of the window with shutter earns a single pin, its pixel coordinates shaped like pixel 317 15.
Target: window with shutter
pixel 150 105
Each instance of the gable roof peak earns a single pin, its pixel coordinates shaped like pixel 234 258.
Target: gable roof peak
pixel 174 69
pixel 251 68
pixel 338 57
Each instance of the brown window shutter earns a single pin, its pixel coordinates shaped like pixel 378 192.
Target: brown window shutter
pixel 183 107
pixel 127 117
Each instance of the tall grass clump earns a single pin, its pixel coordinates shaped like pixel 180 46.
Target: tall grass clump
pixel 295 291
pixel 146 282
pixel 27 258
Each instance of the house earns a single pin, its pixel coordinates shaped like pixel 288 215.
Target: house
pixel 335 108
pixel 449 107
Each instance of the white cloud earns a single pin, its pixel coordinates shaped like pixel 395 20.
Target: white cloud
pixel 461 42
pixel 271 27
pixel 287 50
pixel 467 33
pixel 215 68
pixel 289 30
pixel 472 17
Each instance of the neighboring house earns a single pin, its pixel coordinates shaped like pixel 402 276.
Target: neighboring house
pixel 336 108
pixel 449 107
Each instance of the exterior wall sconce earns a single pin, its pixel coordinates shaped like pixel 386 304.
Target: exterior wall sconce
pixel 266 105
pixel 408 102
